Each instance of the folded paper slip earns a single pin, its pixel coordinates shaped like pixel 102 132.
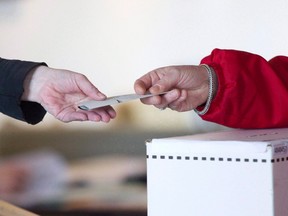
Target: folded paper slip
pixel 93 104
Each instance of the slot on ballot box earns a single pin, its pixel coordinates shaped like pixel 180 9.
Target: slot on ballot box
pixel 228 173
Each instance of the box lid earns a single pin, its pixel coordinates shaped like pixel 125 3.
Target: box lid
pixel 231 141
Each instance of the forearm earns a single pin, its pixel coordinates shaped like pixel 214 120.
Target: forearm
pixel 252 92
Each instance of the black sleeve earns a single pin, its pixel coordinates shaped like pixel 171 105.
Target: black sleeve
pixel 12 75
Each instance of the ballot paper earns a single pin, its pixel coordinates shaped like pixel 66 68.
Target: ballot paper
pixel 93 104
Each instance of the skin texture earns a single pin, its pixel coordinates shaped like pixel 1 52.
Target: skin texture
pixel 59 92
pixel 186 86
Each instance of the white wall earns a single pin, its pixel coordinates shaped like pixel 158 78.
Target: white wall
pixel 114 42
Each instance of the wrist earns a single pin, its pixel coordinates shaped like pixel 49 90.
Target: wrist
pixel 212 89
pixel 215 82
pixel 33 83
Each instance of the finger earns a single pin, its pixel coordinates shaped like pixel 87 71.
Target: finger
pixel 168 98
pixel 181 96
pixel 105 113
pixel 161 101
pixel 112 113
pixel 148 81
pixel 154 100
pixel 161 107
pixel 181 103
pixel 165 79
pixel 164 84
pixel 140 87
pixel 80 116
pixel 171 96
pixel 88 88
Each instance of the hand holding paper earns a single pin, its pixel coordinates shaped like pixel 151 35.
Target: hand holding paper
pixel 93 104
pixel 188 87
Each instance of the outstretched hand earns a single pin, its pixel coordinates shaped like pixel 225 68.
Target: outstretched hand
pixel 187 87
pixel 60 91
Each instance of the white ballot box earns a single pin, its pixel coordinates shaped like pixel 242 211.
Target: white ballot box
pixel 230 173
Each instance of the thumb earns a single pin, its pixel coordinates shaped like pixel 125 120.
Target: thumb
pixel 89 89
pixel 163 85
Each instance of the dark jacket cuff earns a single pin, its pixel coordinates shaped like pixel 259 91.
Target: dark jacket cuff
pixel 12 76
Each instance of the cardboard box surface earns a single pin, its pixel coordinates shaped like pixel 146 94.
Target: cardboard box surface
pixel 231 173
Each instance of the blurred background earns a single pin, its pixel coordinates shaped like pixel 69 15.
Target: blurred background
pixel 94 167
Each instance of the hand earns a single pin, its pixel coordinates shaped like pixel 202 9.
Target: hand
pixel 59 92
pixel 188 87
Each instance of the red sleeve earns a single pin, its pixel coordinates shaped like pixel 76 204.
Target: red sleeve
pixel 252 92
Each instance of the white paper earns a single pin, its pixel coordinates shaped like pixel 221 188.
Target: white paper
pixel 93 104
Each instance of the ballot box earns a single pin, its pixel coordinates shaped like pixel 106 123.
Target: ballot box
pixel 229 173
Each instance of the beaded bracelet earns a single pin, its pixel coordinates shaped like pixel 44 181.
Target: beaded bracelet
pixel 211 91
